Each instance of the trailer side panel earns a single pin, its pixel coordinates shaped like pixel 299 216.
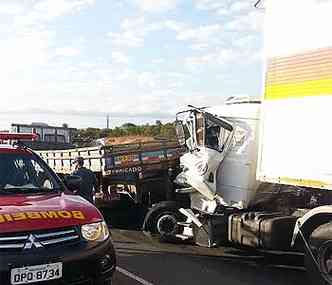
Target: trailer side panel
pixel 295 144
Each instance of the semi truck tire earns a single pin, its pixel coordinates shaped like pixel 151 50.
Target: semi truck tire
pixel 162 219
pixel 320 242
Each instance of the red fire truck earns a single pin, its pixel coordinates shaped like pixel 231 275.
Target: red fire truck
pixel 47 234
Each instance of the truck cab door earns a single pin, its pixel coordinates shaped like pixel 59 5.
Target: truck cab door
pixel 216 139
pixel 209 139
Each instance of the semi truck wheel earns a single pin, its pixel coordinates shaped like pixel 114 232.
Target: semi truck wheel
pixel 166 224
pixel 321 244
pixel 162 219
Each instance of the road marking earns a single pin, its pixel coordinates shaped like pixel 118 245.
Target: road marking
pixel 133 276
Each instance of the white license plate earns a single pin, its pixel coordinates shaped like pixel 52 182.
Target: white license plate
pixel 36 273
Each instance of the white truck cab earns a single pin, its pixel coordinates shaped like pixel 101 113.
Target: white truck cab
pixel 222 158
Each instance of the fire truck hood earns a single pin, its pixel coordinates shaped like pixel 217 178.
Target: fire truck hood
pixel 35 212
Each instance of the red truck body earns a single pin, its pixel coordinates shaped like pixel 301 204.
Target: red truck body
pixel 46 232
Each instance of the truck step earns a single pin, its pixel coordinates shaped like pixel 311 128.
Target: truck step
pixel 185 190
pixel 183 237
pixel 184 224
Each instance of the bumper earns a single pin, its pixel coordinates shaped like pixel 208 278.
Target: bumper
pixel 83 263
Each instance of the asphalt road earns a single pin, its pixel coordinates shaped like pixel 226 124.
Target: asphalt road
pixel 144 260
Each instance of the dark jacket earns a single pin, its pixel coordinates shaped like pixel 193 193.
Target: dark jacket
pixel 89 182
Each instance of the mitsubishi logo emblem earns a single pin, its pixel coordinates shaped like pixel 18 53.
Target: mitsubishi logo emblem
pixel 32 243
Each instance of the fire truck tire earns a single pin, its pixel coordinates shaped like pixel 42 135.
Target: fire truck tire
pixel 321 245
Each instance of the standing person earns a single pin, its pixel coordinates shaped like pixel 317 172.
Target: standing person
pixel 89 181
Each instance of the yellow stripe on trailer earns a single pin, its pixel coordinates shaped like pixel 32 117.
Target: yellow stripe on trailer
pixel 299 90
pixel 296 182
pixel 303 182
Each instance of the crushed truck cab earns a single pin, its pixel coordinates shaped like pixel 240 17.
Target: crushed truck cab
pixel 48 235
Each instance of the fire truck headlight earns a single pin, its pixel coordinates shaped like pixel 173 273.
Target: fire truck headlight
pixel 95 231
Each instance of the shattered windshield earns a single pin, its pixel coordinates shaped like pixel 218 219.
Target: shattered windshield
pixel 22 173
pixel 216 136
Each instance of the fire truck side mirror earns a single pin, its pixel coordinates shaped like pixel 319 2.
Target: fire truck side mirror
pixel 73 182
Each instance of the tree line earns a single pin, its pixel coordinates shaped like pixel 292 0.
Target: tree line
pixel 157 130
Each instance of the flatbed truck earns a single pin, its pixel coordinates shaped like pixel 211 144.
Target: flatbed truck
pixel 131 177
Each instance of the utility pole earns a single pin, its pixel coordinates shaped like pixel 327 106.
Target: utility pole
pixel 108 121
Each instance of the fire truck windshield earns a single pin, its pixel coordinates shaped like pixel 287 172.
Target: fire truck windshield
pixel 23 173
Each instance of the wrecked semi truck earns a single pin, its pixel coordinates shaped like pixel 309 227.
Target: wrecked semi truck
pixel 259 174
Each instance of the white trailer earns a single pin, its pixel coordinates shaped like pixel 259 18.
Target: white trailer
pixel 259 173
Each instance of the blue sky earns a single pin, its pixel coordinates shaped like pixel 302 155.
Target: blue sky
pixel 75 61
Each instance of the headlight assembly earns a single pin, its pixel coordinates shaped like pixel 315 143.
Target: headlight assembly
pixel 181 179
pixel 95 232
pixel 201 167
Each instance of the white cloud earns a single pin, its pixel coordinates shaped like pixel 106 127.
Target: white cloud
pixel 25 49
pixel 12 9
pixel 67 51
pixel 227 55
pixel 200 34
pixel 51 9
pixel 124 75
pixel 252 21
pixel 120 57
pixel 31 56
pixel 201 37
pixel 225 7
pixel 222 12
pixel 158 60
pixel 40 11
pixel 222 58
pixel 132 23
pixel 133 32
pixel 240 6
pixel 199 46
pixel 127 39
pixel 156 5
pixel 194 62
pixel 246 41
pixel 174 25
pixel 209 5
pixel 147 80
pixel 27 42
